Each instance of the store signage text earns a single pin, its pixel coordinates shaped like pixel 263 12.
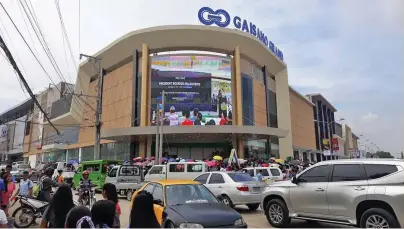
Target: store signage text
pixel 222 18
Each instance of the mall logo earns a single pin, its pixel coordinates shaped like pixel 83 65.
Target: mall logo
pixel 221 18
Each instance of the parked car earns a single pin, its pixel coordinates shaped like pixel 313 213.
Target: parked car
pixel 368 193
pixel 189 204
pixel 126 178
pixel 266 172
pixel 176 170
pixel 235 188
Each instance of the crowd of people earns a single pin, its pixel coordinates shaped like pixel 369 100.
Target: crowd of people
pixel 62 212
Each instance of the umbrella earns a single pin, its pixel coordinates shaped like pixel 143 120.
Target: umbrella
pixel 165 159
pixel 264 165
pixel 242 161
pixel 280 161
pixel 137 158
pixel 211 163
pixel 72 162
pixel 182 160
pixel 225 160
pixel 171 160
pixel 190 160
pixel 217 158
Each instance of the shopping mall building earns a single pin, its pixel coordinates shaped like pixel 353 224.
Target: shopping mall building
pixel 223 89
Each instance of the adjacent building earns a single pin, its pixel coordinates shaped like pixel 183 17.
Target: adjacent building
pixel 303 134
pixel 12 125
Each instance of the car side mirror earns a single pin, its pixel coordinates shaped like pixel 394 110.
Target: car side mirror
pixel 158 202
pixel 295 180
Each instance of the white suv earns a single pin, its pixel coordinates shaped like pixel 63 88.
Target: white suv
pixel 368 193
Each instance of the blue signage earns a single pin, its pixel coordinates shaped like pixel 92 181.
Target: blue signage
pixel 222 18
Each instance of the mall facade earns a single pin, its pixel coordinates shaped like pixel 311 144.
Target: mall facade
pixel 223 89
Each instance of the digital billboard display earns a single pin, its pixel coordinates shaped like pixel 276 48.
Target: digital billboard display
pixel 197 89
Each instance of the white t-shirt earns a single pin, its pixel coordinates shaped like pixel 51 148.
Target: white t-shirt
pixel 173 117
pixel 3 218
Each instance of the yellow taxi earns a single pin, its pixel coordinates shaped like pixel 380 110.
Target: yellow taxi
pixel 189 204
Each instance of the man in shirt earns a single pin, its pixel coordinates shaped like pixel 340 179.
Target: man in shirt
pixel 187 121
pixel 26 186
pixel 259 176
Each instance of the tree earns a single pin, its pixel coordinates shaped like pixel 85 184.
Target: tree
pixel 383 154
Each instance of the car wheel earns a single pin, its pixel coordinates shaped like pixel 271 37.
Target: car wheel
pixel 277 213
pixel 129 195
pixel 378 218
pixel 169 224
pixel 227 201
pixel 253 207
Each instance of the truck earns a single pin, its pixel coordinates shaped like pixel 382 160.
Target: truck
pixel 127 178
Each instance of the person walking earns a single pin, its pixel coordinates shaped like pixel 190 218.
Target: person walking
pixel 79 217
pixel 60 178
pixel 109 193
pixel 103 214
pixel 55 214
pixel 259 176
pixel 7 192
pixel 142 213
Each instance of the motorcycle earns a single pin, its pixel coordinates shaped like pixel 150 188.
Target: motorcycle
pixel 30 210
pixel 88 197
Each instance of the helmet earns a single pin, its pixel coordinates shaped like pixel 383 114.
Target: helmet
pixel 49 171
pixel 85 172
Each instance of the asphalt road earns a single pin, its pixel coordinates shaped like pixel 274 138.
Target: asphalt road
pixel 254 219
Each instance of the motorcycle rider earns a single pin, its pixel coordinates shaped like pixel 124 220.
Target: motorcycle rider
pixel 85 183
pixel 45 185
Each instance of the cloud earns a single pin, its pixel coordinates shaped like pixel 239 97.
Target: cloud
pixel 370 117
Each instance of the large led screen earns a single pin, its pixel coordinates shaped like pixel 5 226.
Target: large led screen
pixel 197 89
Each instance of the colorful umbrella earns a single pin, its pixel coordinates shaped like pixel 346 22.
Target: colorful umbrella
pixel 165 159
pixel 182 160
pixel 171 160
pixel 264 165
pixel 280 161
pixel 211 163
pixel 190 160
pixel 218 158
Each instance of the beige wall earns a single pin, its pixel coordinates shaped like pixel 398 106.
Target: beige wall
pixel 301 114
pixel 283 107
pixel 260 108
pixel 116 103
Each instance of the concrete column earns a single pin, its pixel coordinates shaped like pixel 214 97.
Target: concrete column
pixel 149 145
pixel 237 80
pixel 240 148
pixel 237 110
pixel 145 90
pixel 283 107
pixel 67 155
pixel 142 148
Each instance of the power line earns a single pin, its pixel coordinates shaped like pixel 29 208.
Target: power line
pixel 39 62
pixel 10 57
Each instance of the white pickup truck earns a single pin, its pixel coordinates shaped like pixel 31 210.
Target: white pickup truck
pixel 126 178
pixel 177 170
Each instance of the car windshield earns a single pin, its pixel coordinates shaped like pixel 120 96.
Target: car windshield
pixel 188 194
pixel 240 177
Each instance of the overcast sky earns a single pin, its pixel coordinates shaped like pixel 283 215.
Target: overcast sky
pixel 350 51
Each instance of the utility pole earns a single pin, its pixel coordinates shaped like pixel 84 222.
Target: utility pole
pixel 157 116
pixel 162 124
pixel 97 141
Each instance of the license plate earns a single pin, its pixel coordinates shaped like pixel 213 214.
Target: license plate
pixel 256 189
